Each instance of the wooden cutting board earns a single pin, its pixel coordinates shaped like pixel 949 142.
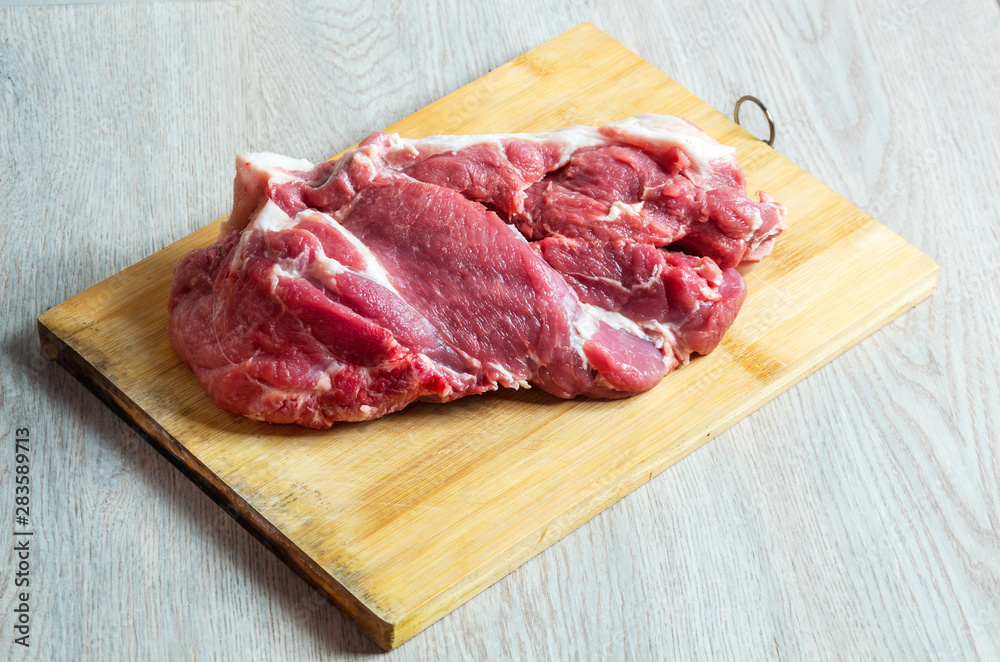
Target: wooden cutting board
pixel 402 519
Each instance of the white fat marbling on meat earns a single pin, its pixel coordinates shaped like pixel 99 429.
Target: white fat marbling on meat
pixel 618 208
pixel 268 217
pixel 568 140
pixel 373 271
pixel 281 168
pixel 271 218
pixel 586 325
pixel 666 132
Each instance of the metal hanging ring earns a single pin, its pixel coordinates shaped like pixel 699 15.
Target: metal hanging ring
pixel 767 114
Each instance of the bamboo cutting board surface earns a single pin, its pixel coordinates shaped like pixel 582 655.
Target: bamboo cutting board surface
pixel 402 519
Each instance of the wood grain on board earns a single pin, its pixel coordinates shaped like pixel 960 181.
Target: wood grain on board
pixel 402 519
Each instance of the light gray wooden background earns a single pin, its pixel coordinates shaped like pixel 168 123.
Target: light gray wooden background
pixel 855 517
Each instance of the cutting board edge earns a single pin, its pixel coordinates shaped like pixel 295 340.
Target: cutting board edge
pixel 380 630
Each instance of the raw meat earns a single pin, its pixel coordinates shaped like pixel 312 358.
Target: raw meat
pixel 586 261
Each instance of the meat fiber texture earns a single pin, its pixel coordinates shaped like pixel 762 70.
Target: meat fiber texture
pixel 586 261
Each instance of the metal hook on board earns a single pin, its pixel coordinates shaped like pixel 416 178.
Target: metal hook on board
pixel 759 104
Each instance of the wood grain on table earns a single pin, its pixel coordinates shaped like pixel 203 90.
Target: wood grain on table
pixel 856 516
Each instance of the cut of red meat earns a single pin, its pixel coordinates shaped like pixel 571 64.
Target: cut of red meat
pixel 586 261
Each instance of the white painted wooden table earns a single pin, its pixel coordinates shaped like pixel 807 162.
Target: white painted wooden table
pixel 855 517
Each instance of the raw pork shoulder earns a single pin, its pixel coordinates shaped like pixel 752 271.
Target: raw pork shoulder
pixel 586 261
